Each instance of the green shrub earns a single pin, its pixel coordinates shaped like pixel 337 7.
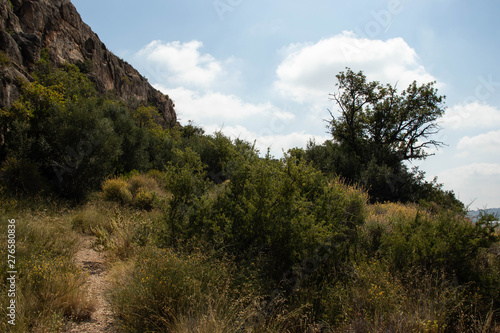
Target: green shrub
pixel 116 189
pixel 21 176
pixel 280 211
pixel 138 181
pixel 445 241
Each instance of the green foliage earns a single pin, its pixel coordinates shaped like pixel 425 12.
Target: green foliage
pixel 376 131
pixel 406 238
pixel 86 66
pixel 280 211
pixel 146 117
pixel 376 300
pixel 75 139
pixel 185 181
pixel 135 141
pixel 91 217
pixel 139 190
pixel 21 177
pixel 444 242
pixel 67 79
pixel 137 182
pixel 145 200
pixel 376 121
pixel 383 182
pixel 290 241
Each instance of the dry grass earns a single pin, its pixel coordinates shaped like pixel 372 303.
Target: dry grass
pixel 377 301
pixel 91 217
pixel 140 191
pixel 50 287
pixel 390 213
pixel 165 291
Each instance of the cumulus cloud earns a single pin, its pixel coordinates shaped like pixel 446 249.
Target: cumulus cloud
pixel 176 63
pixel 470 116
pixel 266 138
pixel 483 143
pixel 207 107
pixel 308 71
pixel 476 182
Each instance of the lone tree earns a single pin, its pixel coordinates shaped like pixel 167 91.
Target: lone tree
pixel 376 122
pixel 376 131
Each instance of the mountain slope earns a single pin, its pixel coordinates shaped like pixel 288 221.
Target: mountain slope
pixel 29 26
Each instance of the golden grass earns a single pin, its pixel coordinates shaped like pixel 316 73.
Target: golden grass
pixel 50 287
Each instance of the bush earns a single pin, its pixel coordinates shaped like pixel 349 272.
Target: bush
pixel 21 177
pixel 144 199
pixel 280 212
pixel 444 241
pixel 142 182
pixel 116 189
pixel 144 189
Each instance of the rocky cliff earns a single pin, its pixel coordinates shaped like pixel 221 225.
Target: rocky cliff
pixel 29 26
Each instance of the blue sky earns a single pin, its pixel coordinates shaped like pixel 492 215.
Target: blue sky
pixel 263 70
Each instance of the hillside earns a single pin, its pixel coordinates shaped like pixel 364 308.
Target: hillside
pixel 114 220
pixel 27 27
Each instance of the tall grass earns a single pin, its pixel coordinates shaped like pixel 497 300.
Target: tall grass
pixel 158 285
pixel 165 291
pixel 375 300
pixel 50 287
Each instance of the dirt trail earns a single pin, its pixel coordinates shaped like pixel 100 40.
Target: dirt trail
pixel 93 263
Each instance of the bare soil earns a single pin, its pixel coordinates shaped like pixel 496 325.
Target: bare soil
pixel 93 262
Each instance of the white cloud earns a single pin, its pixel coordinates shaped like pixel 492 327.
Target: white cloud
pixel 177 63
pixel 482 143
pixel 209 107
pixel 308 71
pixel 477 182
pixel 266 138
pixel 471 115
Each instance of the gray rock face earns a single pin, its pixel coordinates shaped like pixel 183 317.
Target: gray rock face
pixel 28 26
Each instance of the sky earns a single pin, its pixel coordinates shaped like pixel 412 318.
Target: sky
pixel 263 70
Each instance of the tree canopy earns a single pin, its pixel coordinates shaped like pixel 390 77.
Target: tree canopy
pixel 377 122
pixel 376 129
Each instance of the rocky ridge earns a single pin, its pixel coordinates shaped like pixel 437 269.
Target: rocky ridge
pixel 29 26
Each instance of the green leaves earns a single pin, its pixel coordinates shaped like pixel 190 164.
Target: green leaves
pixel 279 211
pixel 377 130
pixel 375 120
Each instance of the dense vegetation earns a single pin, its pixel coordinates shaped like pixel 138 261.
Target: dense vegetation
pixel 205 235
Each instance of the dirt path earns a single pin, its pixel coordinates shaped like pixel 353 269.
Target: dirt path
pixel 93 263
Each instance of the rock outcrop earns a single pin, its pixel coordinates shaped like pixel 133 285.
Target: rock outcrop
pixel 29 26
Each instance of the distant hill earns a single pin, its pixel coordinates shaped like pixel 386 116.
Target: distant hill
pixel 475 213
